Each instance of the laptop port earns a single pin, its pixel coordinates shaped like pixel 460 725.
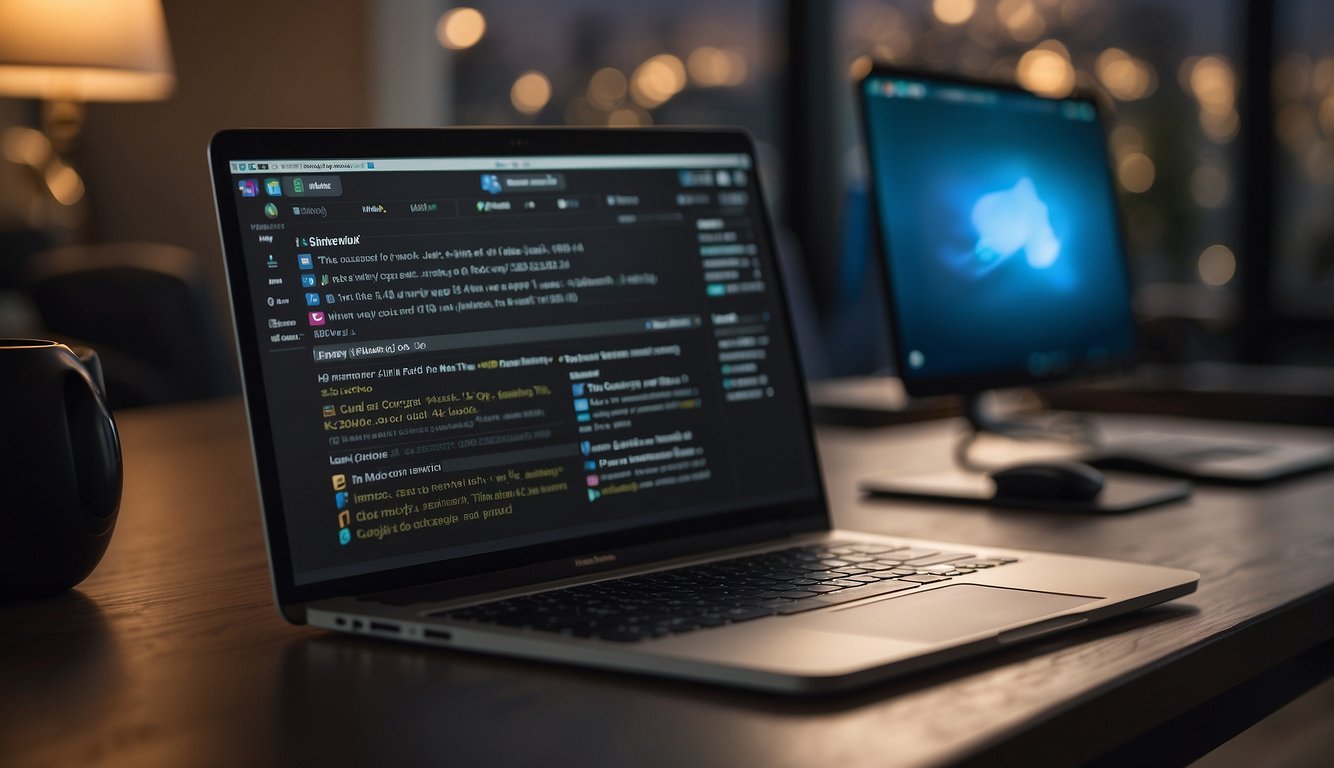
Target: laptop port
pixel 436 634
pixel 379 626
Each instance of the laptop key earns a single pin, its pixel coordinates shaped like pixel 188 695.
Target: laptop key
pixel 797 594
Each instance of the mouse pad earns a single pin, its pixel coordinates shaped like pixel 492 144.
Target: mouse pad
pixel 1211 459
pixel 1121 493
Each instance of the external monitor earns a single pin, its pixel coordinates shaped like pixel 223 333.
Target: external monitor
pixel 1000 233
pixel 1005 264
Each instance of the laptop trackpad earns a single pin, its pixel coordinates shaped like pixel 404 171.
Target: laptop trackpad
pixel 943 614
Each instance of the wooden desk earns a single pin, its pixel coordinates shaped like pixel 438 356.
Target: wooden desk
pixel 173 654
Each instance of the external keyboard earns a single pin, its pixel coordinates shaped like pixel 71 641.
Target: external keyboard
pixel 697 597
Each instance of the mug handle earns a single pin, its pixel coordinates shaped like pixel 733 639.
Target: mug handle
pixel 93 439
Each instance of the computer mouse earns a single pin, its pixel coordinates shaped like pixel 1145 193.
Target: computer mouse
pixel 1069 480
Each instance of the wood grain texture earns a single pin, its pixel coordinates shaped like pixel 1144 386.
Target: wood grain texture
pixel 172 653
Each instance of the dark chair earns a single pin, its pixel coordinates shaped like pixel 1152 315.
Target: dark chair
pixel 146 309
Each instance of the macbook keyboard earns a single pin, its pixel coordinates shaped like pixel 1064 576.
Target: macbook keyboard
pixel 782 582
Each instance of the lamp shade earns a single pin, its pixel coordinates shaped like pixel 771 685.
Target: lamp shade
pixel 85 50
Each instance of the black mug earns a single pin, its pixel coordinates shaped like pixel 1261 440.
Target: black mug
pixel 60 467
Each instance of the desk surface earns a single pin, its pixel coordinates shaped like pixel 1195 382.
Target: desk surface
pixel 173 654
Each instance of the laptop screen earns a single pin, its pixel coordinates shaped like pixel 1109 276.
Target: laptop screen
pixel 1000 232
pixel 460 355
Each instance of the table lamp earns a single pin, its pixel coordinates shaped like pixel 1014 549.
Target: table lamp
pixel 67 52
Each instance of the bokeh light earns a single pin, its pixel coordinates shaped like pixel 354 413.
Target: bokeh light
pixel 1322 77
pixel 860 67
pixel 530 92
pixel 1125 77
pixel 953 12
pixel 1327 117
pixel 460 28
pixel 1217 265
pixel 657 80
pixel 27 146
pixel 1220 128
pixel 1022 19
pixel 607 88
pixel 1209 186
pixel 713 67
pixel 629 116
pixel 1136 172
pixel 1214 85
pixel 1046 70
pixel 1125 138
pixel 64 182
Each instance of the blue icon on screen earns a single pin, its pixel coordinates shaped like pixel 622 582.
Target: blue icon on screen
pixel 312 299
pixel 345 537
pixel 340 499
pixel 1011 220
pixel 305 261
pixel 581 404
pixel 491 183
pixel 307 281
pixel 577 389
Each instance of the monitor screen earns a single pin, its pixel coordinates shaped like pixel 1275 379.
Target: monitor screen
pixel 999 231
pixel 464 355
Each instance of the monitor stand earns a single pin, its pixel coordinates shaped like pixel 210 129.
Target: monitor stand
pixel 968 482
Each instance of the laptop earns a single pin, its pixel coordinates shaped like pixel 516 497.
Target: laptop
pixel 1005 265
pixel 534 393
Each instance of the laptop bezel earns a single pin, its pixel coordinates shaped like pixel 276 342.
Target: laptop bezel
pixel 500 569
pixel 921 386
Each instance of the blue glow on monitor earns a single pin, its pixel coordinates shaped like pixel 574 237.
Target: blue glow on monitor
pixel 1003 247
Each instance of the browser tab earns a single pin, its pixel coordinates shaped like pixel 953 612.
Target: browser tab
pixel 533 182
pixel 312 186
